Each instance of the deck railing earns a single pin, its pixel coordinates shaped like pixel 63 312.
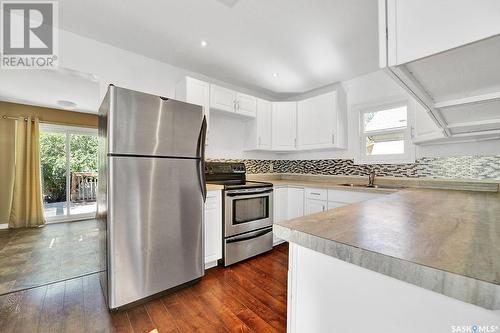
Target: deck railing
pixel 83 186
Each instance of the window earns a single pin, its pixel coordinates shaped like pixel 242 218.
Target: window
pixel 385 134
pixel 69 172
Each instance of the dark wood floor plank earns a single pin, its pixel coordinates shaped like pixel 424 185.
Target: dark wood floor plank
pixel 184 320
pixel 195 309
pixel 255 322
pixel 251 302
pixel 230 319
pixel 268 300
pixel 139 320
pixel 273 268
pixel 74 318
pixel 278 256
pixel 264 281
pixel 216 288
pixel 121 322
pixel 52 316
pixel 162 319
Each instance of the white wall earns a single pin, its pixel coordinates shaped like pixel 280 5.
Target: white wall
pixel 89 59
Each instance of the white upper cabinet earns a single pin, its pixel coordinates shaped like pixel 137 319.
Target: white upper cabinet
pixel 445 53
pixel 222 98
pixel 420 28
pixel 195 92
pixel 258 132
pixel 424 129
pixel 246 104
pixel 284 126
pixel 321 122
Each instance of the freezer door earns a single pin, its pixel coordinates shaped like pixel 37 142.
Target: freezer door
pixel 144 124
pixel 155 226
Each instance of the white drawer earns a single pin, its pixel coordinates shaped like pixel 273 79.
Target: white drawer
pixel 316 193
pixel 351 196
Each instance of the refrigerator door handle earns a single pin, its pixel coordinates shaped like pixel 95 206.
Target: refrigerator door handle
pixel 201 157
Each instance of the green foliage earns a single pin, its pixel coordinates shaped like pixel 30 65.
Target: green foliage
pixel 53 161
pixel 83 153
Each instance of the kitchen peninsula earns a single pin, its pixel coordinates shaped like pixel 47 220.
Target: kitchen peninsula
pixel 401 253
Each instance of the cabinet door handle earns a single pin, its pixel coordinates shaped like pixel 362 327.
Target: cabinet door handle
pixel 314 193
pixel 333 138
pixel 259 141
pixel 323 208
pixel 295 142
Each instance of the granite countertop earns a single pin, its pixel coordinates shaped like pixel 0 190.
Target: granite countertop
pixel 329 185
pixel 447 241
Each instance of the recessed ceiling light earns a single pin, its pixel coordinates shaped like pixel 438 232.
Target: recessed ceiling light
pixel 204 43
pixel 276 74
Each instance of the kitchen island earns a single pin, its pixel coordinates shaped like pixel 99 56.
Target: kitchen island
pixel 412 261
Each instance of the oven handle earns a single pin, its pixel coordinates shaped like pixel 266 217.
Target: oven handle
pixel 245 237
pixel 239 194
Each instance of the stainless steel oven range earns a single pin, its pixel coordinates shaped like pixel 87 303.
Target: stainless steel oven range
pixel 248 211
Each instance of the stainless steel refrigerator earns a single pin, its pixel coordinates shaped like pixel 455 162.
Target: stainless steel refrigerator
pixel 151 194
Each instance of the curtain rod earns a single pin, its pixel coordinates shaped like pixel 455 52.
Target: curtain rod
pixel 47 122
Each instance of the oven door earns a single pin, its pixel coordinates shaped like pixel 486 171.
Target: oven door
pixel 247 210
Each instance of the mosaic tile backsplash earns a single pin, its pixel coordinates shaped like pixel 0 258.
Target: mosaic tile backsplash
pixel 464 167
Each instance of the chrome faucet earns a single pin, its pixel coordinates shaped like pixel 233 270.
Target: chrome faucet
pixel 371 178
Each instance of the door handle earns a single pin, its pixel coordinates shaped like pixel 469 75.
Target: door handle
pixel 251 236
pixel 201 156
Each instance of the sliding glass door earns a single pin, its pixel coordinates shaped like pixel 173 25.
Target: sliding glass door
pixel 69 172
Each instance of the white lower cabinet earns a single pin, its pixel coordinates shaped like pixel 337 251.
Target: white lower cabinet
pixel 280 208
pixel 213 228
pixel 292 201
pixel 295 202
pixel 315 206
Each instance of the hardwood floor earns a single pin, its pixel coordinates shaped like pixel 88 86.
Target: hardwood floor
pixel 247 297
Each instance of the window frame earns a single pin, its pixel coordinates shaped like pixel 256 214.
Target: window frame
pixel 409 149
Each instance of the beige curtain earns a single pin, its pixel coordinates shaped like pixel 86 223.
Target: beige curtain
pixel 27 202
pixel 7 164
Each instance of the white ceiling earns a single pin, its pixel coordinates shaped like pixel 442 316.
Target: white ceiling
pixel 310 43
pixel 47 87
